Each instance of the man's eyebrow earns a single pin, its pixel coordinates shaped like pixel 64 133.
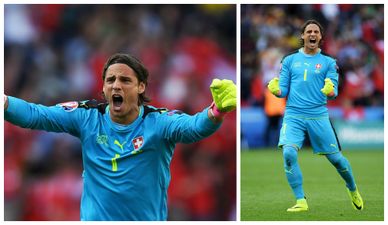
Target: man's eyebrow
pixel 109 76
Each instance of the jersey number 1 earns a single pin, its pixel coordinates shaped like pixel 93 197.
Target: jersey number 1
pixel 305 75
pixel 114 162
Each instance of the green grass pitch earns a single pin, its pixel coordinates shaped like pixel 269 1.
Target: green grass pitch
pixel 265 194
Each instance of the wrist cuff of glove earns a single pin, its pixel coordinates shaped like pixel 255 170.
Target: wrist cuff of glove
pixel 216 113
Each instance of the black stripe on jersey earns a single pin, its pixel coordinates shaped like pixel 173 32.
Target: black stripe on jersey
pixel 336 137
pixel 148 109
pixel 337 68
pixel 93 104
pixel 291 53
pixel 325 54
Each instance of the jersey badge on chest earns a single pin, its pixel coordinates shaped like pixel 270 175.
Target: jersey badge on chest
pixel 137 142
pixel 318 68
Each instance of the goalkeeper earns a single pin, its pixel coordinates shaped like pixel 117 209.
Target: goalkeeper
pixel 308 78
pixel 127 145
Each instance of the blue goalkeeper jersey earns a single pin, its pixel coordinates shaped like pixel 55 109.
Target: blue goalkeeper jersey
pixel 301 80
pixel 126 167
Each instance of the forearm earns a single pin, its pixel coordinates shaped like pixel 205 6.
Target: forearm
pixel 192 128
pixel 200 126
pixel 283 92
pixel 33 116
pixel 284 79
pixel 279 86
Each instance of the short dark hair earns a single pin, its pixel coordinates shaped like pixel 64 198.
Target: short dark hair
pixel 308 22
pixel 136 65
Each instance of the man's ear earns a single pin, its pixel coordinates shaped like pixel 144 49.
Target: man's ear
pixel 141 88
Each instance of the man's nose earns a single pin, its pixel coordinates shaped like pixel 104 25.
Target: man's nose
pixel 116 85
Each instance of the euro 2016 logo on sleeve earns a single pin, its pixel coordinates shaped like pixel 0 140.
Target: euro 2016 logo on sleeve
pixel 68 106
pixel 137 142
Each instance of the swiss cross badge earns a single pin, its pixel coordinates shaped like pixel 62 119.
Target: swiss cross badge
pixel 137 142
pixel 318 66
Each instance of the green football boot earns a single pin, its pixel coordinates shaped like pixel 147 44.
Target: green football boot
pixel 356 199
pixel 301 206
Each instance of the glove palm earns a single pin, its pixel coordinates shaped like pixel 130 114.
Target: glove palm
pixel 224 94
pixel 328 89
pixel 273 86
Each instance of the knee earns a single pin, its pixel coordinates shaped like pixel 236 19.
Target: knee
pixel 289 155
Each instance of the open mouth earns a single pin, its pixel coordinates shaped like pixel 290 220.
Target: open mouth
pixel 117 101
pixel 313 41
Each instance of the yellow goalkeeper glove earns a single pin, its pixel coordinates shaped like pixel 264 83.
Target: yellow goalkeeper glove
pixel 328 89
pixel 224 95
pixel 273 86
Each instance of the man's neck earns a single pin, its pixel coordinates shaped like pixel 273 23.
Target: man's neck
pixel 308 51
pixel 128 118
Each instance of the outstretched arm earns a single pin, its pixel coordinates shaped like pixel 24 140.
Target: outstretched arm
pixel 33 116
pixel 190 128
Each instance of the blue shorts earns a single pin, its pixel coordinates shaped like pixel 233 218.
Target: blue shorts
pixel 320 131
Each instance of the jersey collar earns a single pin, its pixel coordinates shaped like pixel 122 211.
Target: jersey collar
pixel 120 127
pixel 308 55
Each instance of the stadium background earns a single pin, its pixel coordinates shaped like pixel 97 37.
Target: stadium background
pixel 354 35
pixel 55 53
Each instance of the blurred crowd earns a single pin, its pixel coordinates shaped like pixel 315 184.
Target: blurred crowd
pixel 55 53
pixel 353 34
